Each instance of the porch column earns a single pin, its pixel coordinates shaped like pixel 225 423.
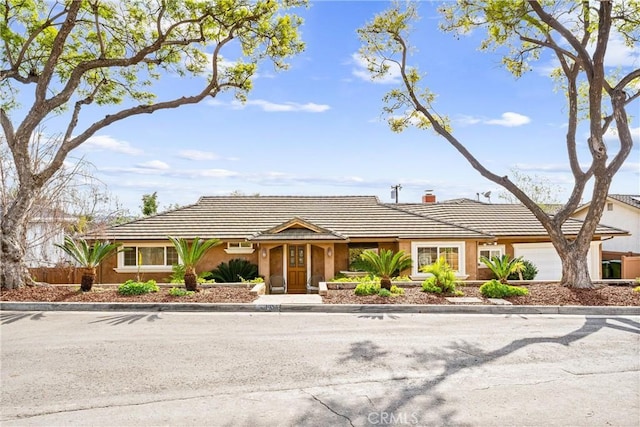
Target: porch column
pixel 329 263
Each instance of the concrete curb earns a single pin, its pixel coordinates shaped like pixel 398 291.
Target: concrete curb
pixel 323 308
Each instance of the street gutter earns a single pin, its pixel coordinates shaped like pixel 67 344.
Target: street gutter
pixel 322 308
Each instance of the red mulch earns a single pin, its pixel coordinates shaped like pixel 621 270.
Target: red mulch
pixel 98 294
pixel 539 294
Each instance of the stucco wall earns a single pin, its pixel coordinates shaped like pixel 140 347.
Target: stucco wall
pixel 624 217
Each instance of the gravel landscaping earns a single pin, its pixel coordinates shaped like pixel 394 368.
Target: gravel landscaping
pixel 539 294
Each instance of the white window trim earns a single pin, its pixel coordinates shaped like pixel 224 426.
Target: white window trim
pixel 419 275
pixel 121 268
pixel 232 249
pixel 501 248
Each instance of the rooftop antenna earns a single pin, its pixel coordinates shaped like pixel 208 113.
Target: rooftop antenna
pixel 394 191
pixel 487 194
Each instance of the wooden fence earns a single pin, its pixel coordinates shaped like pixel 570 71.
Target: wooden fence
pixel 630 267
pixel 56 275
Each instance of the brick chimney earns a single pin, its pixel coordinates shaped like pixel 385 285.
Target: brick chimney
pixel 429 197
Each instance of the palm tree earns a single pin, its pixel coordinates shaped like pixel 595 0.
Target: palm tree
pixel 503 266
pixel 190 255
pixel 385 264
pixel 88 257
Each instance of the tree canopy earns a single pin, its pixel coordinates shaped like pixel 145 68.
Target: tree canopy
pixel 87 64
pixel 577 35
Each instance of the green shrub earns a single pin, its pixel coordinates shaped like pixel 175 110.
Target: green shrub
pixel 636 289
pixel 495 289
pixel 361 279
pixel 529 271
pixel 131 287
pixel 180 292
pixel 255 280
pixel 384 292
pixel 401 279
pixel 443 276
pixel 234 271
pixel 429 285
pixel 365 288
pixel 396 290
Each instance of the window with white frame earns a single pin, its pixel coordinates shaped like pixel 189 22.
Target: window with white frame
pixel 239 248
pixel 489 251
pixel 426 253
pixel 147 258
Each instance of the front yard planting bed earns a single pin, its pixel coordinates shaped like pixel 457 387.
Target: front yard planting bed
pixel 539 294
pixel 110 294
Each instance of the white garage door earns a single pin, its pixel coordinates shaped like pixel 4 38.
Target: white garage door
pixel 545 258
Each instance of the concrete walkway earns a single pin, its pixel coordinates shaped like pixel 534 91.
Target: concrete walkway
pixel 277 299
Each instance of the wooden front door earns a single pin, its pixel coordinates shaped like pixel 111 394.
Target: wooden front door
pixel 297 269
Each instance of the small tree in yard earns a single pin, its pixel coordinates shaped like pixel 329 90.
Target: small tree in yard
pixel 76 61
pixel 88 257
pixel 190 255
pixel 577 35
pixel 385 264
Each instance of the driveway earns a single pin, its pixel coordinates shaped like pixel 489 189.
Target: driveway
pixel 288 369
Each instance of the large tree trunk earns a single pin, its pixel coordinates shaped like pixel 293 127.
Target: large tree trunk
pixel 575 268
pixel 13 269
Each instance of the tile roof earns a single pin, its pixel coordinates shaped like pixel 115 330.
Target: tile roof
pixel 247 217
pixel 500 220
pixel 632 200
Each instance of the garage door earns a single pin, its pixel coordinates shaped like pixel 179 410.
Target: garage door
pixel 545 258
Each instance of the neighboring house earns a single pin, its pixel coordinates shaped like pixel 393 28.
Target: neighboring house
pixel 298 237
pixel 43 231
pixel 623 211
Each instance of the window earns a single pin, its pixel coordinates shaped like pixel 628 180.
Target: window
pixel 426 253
pixel 489 251
pixel 239 248
pixel 147 258
pixel 355 250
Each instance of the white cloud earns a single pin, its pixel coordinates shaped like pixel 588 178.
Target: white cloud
pixel 509 119
pixel 198 155
pixel 620 55
pixel 464 120
pixel 361 71
pixel 105 142
pixel 272 107
pixel 611 134
pixel 154 164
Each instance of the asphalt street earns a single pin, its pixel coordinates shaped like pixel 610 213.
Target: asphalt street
pixel 289 369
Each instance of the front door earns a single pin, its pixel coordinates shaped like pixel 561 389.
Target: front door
pixel 297 270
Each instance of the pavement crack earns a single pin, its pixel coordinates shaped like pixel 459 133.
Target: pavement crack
pixel 329 408
pixel 517 384
pixel 580 374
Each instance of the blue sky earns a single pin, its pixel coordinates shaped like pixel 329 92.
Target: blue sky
pixel 317 128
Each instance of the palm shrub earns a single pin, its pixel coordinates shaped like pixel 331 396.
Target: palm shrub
pixel 190 254
pixel 236 270
pixel 529 271
pixel 88 257
pixel 385 264
pixel 177 275
pixel 503 266
pixel 443 277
